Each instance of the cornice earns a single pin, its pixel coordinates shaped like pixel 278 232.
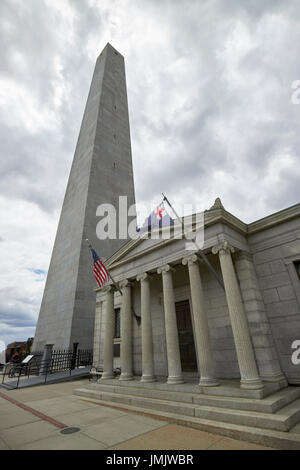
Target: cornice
pixel 280 217
pixel 214 216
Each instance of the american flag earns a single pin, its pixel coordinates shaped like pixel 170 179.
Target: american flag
pixel 100 272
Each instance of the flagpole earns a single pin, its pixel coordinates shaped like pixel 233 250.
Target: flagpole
pixel 203 256
pixel 114 283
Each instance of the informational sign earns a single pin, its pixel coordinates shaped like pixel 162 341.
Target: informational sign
pixel 27 359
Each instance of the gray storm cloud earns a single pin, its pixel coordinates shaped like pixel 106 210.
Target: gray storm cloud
pixel 209 90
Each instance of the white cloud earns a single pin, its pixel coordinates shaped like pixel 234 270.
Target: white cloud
pixel 28 235
pixel 26 111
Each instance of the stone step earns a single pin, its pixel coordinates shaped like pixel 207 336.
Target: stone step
pixel 270 404
pixel 266 437
pixel 283 420
pixel 226 389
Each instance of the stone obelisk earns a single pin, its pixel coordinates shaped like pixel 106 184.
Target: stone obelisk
pixel 101 172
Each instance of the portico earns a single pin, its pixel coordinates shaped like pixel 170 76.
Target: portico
pixel 186 317
pixel 191 328
pixel 242 341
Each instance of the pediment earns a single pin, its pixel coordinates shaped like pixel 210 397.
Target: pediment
pixel 141 246
pixel 137 248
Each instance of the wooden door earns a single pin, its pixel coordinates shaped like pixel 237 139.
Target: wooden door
pixel 186 338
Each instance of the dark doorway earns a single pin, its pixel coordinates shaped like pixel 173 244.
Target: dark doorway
pixel 186 338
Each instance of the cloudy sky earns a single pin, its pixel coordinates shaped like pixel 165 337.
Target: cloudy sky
pixel 211 114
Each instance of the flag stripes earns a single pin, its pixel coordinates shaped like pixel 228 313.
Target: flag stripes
pixel 100 272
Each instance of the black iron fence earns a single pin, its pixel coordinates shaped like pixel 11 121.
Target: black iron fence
pixel 61 360
pixel 66 359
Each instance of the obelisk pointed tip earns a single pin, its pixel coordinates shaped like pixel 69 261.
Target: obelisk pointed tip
pixel 110 48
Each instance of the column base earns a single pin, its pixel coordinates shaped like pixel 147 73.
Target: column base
pixel 148 378
pixel 295 381
pixel 106 376
pixel 276 378
pixel 126 376
pixel 208 382
pixel 254 384
pixel 175 380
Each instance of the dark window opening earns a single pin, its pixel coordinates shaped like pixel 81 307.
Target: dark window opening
pixel 117 323
pixel 186 337
pixel 117 350
pixel 297 266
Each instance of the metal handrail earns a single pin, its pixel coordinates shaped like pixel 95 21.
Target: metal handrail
pixel 48 366
pixel 29 369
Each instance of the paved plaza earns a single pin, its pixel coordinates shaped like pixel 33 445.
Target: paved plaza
pixel 33 418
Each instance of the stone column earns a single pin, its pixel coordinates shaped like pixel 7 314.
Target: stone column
pixel 99 312
pixel 262 339
pixel 173 351
pixel 126 331
pixel 201 331
pixel 241 333
pixel 108 353
pixel 147 340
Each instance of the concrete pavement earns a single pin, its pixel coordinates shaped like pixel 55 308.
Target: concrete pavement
pixel 33 418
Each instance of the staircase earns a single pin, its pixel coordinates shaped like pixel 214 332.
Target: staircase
pixel 270 417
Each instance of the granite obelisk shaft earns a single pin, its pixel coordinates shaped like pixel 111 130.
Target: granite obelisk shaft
pixel 101 172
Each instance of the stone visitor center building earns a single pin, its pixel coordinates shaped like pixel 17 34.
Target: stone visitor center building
pixel 192 327
pixel 220 358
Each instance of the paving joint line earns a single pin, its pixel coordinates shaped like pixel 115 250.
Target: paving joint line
pixel 138 412
pixel 37 413
pixel 83 433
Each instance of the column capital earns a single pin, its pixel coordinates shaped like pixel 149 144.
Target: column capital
pixel 165 269
pixel 143 277
pixel 190 260
pixel 109 288
pixel 125 283
pixel 223 248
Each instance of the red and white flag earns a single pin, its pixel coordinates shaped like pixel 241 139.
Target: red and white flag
pixel 100 272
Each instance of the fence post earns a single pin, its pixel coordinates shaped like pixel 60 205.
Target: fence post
pixel 47 367
pixel 4 374
pixel 20 372
pixel 73 363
